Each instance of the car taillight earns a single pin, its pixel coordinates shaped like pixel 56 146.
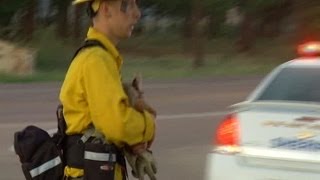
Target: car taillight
pixel 227 135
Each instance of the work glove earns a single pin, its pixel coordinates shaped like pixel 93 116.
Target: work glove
pixel 132 159
pixel 141 164
pixel 131 154
pixel 146 165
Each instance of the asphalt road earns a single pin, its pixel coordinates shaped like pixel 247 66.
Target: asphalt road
pixel 189 112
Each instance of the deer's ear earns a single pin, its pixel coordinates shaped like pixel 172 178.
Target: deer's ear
pixel 135 82
pixel 139 80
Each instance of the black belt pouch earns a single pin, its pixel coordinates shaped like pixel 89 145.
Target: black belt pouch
pixel 99 161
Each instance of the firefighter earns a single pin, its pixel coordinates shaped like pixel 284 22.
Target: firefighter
pixel 92 96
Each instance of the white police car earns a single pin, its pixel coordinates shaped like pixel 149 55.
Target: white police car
pixel 275 133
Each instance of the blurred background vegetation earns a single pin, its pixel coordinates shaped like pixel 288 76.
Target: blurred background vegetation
pixel 174 39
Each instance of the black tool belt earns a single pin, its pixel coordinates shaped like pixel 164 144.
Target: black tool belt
pixel 96 158
pixel 92 154
pixel 75 151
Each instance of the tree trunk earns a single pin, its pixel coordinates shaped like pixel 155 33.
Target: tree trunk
pixel 247 34
pixel 273 16
pixel 212 27
pixel 305 12
pixel 187 34
pixel 77 29
pixel 28 20
pixel 62 26
pixel 197 34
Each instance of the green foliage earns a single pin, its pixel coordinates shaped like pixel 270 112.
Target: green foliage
pixel 53 53
pixel 310 13
pixel 219 7
pixel 253 6
pixel 11 5
pixel 183 8
pixel 8 9
pixel 172 7
pixel 54 57
pixel 39 76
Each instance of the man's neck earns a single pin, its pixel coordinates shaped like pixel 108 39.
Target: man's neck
pixel 107 33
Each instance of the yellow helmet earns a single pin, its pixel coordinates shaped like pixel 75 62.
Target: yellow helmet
pixel 95 4
pixel 80 1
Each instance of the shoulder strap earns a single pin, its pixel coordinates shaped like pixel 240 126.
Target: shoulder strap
pixel 89 43
pixel 91 130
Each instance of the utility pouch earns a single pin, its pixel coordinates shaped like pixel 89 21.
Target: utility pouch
pixel 39 154
pixel 73 151
pixel 99 161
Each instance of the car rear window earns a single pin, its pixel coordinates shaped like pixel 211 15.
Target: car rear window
pixel 294 84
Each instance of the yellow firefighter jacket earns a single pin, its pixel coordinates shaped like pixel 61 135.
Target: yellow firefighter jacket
pixel 92 92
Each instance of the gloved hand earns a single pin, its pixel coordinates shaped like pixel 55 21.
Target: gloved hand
pixel 146 165
pixel 132 159
pixel 131 154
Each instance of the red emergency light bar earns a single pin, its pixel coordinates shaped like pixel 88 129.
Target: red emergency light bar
pixel 309 49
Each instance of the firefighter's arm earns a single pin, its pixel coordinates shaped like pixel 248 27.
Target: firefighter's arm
pixel 109 106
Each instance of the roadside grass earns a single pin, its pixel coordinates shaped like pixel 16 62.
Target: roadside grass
pixel 161 57
pixel 169 67
pixel 175 67
pixel 166 67
pixel 39 76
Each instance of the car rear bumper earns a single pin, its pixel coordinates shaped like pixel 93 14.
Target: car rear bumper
pixel 233 167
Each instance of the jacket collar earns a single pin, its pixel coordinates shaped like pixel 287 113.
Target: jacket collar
pixel 96 35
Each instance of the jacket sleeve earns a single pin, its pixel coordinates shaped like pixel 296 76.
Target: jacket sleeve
pixel 108 105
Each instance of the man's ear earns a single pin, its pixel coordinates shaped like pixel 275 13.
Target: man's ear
pixel 105 9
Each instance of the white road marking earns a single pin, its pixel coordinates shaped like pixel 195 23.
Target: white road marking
pixel 160 117
pixel 191 115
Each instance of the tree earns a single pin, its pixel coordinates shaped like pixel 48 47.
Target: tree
pixel 193 12
pixel 28 19
pixel 77 22
pixel 62 17
pixel 201 18
pixel 307 14
pixel 8 11
pixel 257 14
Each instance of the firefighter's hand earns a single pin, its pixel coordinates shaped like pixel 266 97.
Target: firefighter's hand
pixel 131 154
pixel 139 148
pixel 146 165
